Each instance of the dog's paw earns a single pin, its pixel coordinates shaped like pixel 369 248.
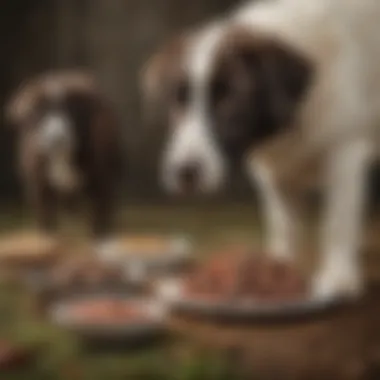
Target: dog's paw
pixel 338 282
pixel 280 251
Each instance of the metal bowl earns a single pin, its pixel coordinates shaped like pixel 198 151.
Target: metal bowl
pixel 140 264
pixel 125 332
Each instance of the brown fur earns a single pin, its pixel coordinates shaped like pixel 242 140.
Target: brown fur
pixel 97 156
pixel 160 76
pixel 256 90
pixel 288 75
pixel 256 87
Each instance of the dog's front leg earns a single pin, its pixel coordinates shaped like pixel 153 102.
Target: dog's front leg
pixel 44 202
pixel 280 210
pixel 339 272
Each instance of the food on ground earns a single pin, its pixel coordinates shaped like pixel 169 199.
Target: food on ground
pixel 85 270
pixel 145 245
pixel 106 311
pixel 12 357
pixel 235 276
pixel 27 247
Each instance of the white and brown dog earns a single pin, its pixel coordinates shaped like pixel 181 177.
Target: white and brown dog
pixel 69 144
pixel 282 84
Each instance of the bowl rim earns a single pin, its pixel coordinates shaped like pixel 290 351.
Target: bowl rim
pixel 250 308
pixel 58 313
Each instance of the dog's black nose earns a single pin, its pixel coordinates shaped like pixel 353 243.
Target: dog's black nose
pixel 188 176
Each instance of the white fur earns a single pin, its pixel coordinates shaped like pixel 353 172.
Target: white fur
pixel 341 231
pixel 191 141
pixel 281 220
pixel 56 141
pixel 340 115
pixel 54 132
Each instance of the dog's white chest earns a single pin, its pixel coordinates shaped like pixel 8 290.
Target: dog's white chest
pixel 56 141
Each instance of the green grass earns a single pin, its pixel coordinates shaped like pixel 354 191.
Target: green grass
pixel 62 356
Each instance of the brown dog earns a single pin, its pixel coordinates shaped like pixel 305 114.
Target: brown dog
pixel 69 144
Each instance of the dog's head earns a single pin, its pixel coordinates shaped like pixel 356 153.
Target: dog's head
pixel 226 90
pixel 44 110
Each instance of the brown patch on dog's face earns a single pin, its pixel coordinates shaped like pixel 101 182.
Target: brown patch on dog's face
pixel 162 79
pixel 255 90
pixel 178 99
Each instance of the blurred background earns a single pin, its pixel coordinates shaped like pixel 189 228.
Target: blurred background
pixel 113 38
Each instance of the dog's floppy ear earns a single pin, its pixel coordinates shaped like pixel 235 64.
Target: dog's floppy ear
pixel 158 77
pixel 283 72
pixel 21 105
pixel 288 75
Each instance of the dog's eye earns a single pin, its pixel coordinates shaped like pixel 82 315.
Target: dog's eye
pixel 182 94
pixel 220 91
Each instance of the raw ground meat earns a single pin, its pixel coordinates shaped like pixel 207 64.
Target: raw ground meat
pixel 236 276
